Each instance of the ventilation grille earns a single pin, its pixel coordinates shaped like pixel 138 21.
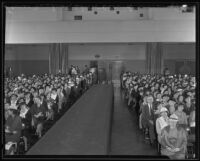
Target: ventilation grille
pixel 78 17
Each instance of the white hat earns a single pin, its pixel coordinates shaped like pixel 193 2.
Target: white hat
pixel 179 90
pixel 172 102
pixel 173 117
pixel 163 109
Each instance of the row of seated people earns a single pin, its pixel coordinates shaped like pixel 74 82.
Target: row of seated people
pixel 31 102
pixel 165 107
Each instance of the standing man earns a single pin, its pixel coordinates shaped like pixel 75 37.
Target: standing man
pixel 148 121
pixel 166 72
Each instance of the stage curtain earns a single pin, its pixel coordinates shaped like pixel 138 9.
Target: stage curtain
pixel 154 58
pixel 58 58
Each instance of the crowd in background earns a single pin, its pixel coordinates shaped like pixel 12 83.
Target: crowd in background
pixel 164 105
pixel 165 108
pixel 31 101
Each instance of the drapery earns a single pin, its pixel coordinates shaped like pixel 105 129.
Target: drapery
pixel 154 58
pixel 58 58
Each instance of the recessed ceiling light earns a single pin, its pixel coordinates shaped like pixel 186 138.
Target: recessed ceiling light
pixel 184 5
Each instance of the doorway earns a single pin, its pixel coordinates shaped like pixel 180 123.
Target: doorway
pixel 116 68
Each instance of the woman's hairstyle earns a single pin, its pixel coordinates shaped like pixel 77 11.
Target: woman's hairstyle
pixel 179 97
pixel 178 105
pixel 14 111
pixel 38 97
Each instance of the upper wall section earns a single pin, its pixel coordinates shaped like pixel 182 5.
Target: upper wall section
pixel 27 52
pixel 179 51
pixel 107 51
pixel 55 25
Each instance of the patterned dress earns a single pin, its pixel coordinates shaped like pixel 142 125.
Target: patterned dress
pixel 174 138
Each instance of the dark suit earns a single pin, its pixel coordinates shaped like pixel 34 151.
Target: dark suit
pixel 148 114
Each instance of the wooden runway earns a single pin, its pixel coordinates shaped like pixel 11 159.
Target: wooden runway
pixel 83 130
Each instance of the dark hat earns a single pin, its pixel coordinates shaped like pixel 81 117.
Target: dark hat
pixel 54 89
pixel 26 93
pixel 21 104
pixel 14 95
pixel 165 95
pixel 41 87
pixel 33 88
pixel 42 95
pixel 180 104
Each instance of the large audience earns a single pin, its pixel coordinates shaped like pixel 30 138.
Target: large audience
pixel 165 108
pixel 32 101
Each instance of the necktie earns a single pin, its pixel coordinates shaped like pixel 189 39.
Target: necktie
pixel 150 109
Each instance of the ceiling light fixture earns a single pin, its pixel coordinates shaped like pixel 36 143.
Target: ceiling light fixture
pixel 69 8
pixel 184 5
pixel 112 8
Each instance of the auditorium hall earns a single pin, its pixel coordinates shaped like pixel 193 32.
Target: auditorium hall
pixel 100 81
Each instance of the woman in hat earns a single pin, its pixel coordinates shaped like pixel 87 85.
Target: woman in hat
pixel 13 126
pixel 172 107
pixel 188 106
pixel 173 140
pixel 29 99
pixel 161 122
pixel 165 99
pixel 13 101
pixel 50 112
pixel 182 118
pixel 180 99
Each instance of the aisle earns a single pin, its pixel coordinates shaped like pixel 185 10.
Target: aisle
pixel 126 138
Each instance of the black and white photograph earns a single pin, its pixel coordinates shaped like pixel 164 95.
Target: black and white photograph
pixel 104 80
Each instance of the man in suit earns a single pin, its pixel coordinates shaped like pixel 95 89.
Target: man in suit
pixel 148 121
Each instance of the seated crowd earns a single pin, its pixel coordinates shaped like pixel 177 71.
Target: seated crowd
pixel 165 108
pixel 31 101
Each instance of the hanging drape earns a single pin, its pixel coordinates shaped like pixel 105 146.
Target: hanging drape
pixel 58 58
pixel 154 58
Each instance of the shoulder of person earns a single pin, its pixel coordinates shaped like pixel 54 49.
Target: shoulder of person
pixel 180 128
pixel 18 119
pixel 166 129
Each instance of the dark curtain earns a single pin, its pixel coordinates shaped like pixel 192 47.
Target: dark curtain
pixel 58 58
pixel 154 58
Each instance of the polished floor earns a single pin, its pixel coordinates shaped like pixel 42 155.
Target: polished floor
pixel 126 138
